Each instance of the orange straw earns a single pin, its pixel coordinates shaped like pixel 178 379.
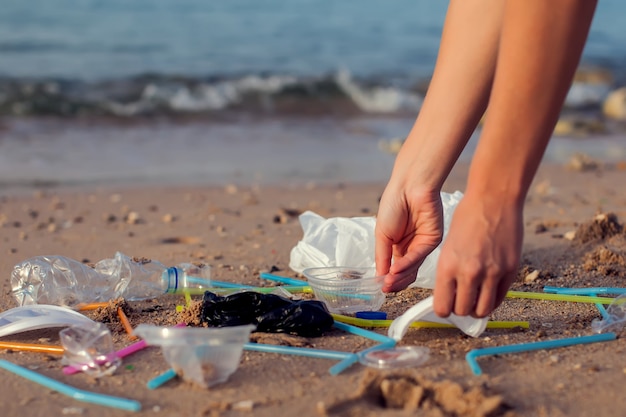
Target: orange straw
pixel 90 306
pixel 126 323
pixel 31 347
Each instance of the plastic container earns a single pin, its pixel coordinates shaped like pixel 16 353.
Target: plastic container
pixel 204 356
pixel 26 318
pixel 346 290
pixel 395 357
pixel 62 281
pixel 90 349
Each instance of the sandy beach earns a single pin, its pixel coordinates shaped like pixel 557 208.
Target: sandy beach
pixel 242 232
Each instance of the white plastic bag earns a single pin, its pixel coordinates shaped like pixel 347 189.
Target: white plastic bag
pixel 343 241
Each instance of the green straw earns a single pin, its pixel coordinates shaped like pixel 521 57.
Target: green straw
pixel 75 393
pixel 560 297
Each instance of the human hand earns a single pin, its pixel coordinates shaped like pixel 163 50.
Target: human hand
pixel 480 256
pixel 409 226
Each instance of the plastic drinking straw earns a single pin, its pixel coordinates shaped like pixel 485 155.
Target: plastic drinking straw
pixel 584 291
pixel 362 332
pixel 424 324
pixel 354 358
pixel 122 353
pixel 290 350
pixel 284 280
pixel 31 347
pixel 90 306
pixel 159 380
pixel 560 297
pixel 264 290
pixel 601 309
pixel 472 355
pixel 126 323
pixel 75 393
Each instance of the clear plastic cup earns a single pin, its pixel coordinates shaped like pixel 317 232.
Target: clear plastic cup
pixel 346 290
pixel 205 356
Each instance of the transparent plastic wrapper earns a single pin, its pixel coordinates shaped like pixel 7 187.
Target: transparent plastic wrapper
pixel 343 241
pixel 63 281
pixel 615 319
pixel 35 317
pixel 89 347
pixel 346 290
pixel 204 356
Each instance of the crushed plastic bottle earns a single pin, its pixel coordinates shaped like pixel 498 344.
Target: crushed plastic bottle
pixel 62 281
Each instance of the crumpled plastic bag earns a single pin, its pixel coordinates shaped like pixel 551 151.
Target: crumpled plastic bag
pixel 344 241
pixel 268 312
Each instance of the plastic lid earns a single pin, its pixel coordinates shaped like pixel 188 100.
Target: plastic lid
pixel 371 315
pixel 396 357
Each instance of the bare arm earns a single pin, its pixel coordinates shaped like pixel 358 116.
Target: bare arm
pixel 456 100
pixel 539 51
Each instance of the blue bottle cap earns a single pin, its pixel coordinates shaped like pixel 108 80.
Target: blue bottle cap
pixel 371 315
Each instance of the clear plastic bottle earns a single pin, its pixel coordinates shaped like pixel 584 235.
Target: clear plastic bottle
pixel 63 281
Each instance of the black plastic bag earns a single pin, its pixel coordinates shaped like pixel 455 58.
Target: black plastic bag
pixel 270 313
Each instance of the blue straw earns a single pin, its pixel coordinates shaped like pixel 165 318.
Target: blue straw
pixel 75 393
pixel 584 291
pixel 363 332
pixel 601 309
pixel 354 358
pixel 283 280
pixel 472 355
pixel 290 350
pixel 159 380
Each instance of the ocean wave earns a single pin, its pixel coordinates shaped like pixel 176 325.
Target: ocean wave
pixel 154 94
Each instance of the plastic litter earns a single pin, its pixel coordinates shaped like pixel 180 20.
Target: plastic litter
pixel 90 349
pixel 25 318
pixel 351 241
pixel 204 356
pixel 615 318
pixel 424 311
pixel 346 290
pixel 62 281
pixel 75 393
pixel 268 312
pixel 472 355
pixel 395 357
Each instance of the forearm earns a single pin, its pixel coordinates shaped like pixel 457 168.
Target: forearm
pixel 540 49
pixel 457 95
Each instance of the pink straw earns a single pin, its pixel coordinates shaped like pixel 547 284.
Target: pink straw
pixel 128 350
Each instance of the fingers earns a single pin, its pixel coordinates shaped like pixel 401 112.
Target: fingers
pixel 382 255
pixel 474 294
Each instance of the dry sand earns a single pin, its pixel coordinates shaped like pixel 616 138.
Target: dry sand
pixel 242 231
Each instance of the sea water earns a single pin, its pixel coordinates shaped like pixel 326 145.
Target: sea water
pixel 95 91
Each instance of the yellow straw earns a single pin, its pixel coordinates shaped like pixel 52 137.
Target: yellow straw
pixel 560 297
pixel 424 324
pixel 31 347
